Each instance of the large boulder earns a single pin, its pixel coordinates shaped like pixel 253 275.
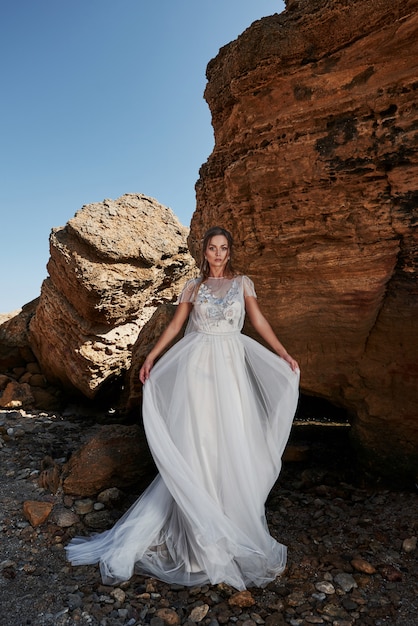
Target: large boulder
pixel 315 172
pixel 26 386
pixel 117 456
pixel 110 267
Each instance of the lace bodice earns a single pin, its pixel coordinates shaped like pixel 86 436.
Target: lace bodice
pixel 219 305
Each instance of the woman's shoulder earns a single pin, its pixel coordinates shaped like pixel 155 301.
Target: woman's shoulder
pixel 243 278
pixel 188 292
pixel 193 281
pixel 247 284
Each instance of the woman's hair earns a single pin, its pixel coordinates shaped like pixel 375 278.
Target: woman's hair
pixel 204 265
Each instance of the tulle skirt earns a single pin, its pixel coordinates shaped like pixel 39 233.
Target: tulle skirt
pixel 217 412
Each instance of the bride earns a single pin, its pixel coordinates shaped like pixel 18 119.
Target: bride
pixel 217 410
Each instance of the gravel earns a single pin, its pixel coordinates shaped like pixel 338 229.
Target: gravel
pixel 352 548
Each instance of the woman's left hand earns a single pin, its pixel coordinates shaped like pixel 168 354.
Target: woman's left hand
pixel 145 370
pixel 292 362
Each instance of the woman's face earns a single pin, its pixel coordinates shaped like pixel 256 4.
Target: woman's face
pixel 217 253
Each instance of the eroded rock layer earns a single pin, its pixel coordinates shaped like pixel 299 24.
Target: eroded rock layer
pixel 315 172
pixel 110 267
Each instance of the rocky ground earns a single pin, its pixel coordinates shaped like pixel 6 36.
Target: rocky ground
pixel 352 547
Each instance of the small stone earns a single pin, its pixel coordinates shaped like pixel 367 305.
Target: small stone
pixel 391 573
pixel 225 589
pixel 199 613
pixel 313 619
pixel 75 601
pixel 82 507
pixel 345 581
pixel 320 597
pixel 109 496
pixel 98 506
pixel 361 565
pixel 334 611
pixel 410 544
pixel 29 568
pixel 38 380
pixel 65 518
pixel 118 594
pixel 325 587
pixel 37 512
pixel 6 564
pixel 275 619
pixel 297 598
pixel 33 368
pixel 168 616
pixel 99 520
pixel 349 604
pixel 241 599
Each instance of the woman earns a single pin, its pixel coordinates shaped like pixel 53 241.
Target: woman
pixel 217 409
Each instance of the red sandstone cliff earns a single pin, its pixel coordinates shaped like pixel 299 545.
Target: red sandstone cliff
pixel 315 171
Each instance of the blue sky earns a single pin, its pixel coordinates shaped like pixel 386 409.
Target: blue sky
pixel 101 98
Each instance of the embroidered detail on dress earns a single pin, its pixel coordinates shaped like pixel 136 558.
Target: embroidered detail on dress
pixel 220 309
pixel 206 296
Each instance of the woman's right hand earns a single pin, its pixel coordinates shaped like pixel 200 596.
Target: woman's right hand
pixel 145 370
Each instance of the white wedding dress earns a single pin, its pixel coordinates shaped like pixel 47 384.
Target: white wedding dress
pixel 217 410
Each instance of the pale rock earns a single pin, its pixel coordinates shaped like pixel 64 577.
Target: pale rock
pixel 110 267
pixel 324 586
pixel 118 594
pixel 409 544
pixel 199 613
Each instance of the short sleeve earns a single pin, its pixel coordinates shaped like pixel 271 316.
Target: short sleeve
pixel 248 287
pixel 188 293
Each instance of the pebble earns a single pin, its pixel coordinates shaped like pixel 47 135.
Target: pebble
pixel 325 587
pixel 345 581
pixel 410 544
pixel 349 563
pixel 364 566
pixel 199 613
